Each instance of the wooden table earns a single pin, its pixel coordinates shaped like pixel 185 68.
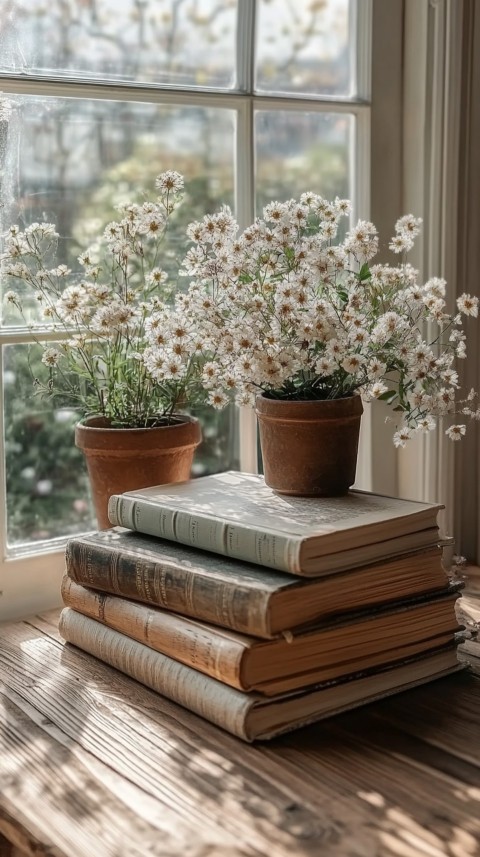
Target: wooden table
pixel 92 764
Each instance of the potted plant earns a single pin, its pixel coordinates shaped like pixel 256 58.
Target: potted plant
pixel 132 430
pixel 304 329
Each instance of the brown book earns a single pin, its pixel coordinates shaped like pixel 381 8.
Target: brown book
pixel 237 515
pixel 239 595
pixel 250 716
pixel 319 654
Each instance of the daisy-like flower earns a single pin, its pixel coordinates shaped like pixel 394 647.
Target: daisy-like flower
pixel 468 305
pixel 426 424
pixel 11 297
pixel 218 399
pixel 170 181
pixel 456 432
pixel 401 243
pixel 51 356
pixel 401 437
pixel 353 363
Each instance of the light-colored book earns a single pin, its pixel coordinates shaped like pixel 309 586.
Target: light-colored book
pixel 250 716
pixel 237 515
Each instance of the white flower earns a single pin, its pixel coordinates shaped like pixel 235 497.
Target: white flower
pixel 401 437
pixel 51 356
pixel 468 305
pixel 353 363
pixel 426 424
pixel 218 399
pixel 156 277
pixel 377 389
pixel 408 224
pixel 169 181
pixel 401 243
pixel 456 432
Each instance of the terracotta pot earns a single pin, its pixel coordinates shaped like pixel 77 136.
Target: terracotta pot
pixel 125 459
pixel 309 448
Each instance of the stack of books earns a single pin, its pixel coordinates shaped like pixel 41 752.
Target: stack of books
pixel 263 612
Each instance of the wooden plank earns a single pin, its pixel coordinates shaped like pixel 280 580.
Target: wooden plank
pixel 447 717
pixel 9 850
pixel 415 809
pixel 72 805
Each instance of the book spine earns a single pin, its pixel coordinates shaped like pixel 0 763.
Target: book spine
pixel 264 547
pixel 222 705
pixel 205 649
pixel 170 585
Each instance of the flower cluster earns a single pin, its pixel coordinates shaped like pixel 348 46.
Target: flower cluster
pixel 283 309
pixel 102 315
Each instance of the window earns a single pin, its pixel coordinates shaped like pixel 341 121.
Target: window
pixel 250 100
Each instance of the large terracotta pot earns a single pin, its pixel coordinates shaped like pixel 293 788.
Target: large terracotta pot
pixel 125 459
pixel 309 448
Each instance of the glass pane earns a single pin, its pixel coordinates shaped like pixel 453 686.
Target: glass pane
pixel 48 493
pixel 305 47
pixel 297 152
pixel 147 41
pixel 47 485
pixel 71 162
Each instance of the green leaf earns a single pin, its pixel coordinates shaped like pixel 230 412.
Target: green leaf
pixel 364 272
pixel 388 396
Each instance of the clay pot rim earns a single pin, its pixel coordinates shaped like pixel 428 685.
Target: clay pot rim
pixel 104 425
pixel 301 410
pixel 266 396
pixel 96 440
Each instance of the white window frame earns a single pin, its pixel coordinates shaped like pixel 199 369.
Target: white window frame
pixel 30 578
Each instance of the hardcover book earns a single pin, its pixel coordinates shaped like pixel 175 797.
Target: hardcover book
pixel 237 515
pixel 239 595
pixel 324 652
pixel 250 716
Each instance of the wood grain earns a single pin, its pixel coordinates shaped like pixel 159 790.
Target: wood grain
pixel 92 764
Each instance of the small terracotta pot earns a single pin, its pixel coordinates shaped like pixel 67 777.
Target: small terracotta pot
pixel 126 459
pixel 309 448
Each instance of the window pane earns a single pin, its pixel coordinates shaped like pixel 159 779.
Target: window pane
pixel 70 162
pixel 305 47
pixel 47 486
pixel 147 41
pixel 297 152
